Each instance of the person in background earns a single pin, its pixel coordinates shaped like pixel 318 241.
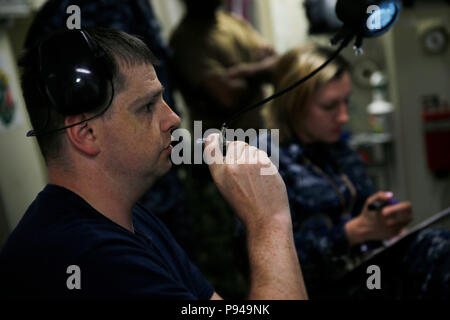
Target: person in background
pixel 167 198
pixel 221 64
pixel 329 190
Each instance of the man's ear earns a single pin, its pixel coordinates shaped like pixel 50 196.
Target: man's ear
pixel 82 136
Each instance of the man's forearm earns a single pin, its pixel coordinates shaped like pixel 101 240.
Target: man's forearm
pixel 274 267
pixel 261 203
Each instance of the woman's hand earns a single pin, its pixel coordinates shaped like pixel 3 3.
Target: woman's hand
pixel 379 225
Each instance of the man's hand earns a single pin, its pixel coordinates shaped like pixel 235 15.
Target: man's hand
pixel 261 202
pixel 379 225
pixel 256 198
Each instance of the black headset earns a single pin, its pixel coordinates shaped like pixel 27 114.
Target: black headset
pixel 73 76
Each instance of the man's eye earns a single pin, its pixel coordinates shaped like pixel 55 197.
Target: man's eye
pixel 149 107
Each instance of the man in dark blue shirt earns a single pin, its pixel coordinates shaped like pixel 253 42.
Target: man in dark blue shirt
pixel 61 230
pixel 167 197
pixel 104 129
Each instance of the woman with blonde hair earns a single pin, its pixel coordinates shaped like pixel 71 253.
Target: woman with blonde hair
pixel 327 185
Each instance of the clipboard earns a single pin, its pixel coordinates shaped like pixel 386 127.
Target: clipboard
pixel 352 285
pixel 387 245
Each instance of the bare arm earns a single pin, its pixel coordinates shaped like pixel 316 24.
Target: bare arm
pixel 275 271
pixel 215 296
pixel 261 203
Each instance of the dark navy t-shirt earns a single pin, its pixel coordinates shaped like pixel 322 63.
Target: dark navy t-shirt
pixel 60 230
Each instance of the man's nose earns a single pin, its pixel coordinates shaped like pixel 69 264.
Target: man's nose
pixel 171 120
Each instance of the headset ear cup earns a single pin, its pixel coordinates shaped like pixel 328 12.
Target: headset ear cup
pixel 73 76
pixel 75 92
pixel 74 73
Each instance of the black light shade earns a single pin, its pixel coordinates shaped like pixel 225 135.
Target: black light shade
pixel 368 18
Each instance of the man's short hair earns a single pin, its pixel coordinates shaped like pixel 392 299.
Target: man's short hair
pixel 116 45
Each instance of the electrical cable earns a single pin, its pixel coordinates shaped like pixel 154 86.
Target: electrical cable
pixel 343 44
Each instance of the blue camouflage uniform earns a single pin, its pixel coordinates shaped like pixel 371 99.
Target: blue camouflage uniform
pixel 313 173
